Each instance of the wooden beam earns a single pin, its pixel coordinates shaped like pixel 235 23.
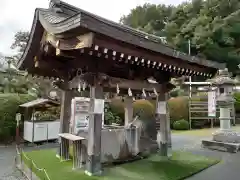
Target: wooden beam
pixel 115 83
pixel 48 73
pixel 133 84
pixel 144 54
pixel 78 42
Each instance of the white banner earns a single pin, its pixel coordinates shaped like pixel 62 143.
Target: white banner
pixel 212 103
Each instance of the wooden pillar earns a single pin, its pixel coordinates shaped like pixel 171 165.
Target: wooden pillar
pixel 65 115
pixel 65 111
pixel 93 166
pixel 128 110
pixel 164 135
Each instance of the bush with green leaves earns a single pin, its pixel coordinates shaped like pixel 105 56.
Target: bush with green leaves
pixel 143 108
pixel 181 125
pixel 111 117
pixel 49 114
pixel 237 101
pixel 176 92
pixel 9 106
pixel 178 108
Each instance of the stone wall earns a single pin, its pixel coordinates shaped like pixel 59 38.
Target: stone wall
pixel 118 143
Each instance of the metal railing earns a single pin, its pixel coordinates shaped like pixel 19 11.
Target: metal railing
pixel 28 167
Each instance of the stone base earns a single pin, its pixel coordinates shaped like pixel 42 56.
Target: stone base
pixel 221 146
pixel 93 166
pixel 227 136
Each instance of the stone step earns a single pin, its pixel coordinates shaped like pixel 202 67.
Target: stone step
pixel 221 146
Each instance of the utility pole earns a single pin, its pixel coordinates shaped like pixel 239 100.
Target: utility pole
pixel 190 88
pixel 190 78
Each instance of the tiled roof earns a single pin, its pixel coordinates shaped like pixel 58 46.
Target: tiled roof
pixel 62 17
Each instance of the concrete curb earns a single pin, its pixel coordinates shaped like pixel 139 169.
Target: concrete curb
pixel 27 172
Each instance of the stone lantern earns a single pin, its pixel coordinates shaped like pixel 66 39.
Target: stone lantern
pixel 225 138
pixel 225 86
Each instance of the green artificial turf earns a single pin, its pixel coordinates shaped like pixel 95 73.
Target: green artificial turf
pixel 182 164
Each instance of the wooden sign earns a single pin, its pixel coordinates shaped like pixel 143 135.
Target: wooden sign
pixel 162 107
pixel 18 118
pixel 98 106
pixel 211 103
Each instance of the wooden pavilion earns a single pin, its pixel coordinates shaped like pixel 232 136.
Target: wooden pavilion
pixel 73 46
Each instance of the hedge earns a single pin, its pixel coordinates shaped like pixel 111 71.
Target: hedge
pixel 237 102
pixel 178 108
pixel 181 125
pixel 9 106
pixel 144 108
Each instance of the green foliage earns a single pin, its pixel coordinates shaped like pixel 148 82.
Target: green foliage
pixel 19 43
pixel 51 113
pixel 116 106
pixel 150 18
pixel 15 81
pixel 9 106
pixel 176 92
pixel 212 26
pixel 181 125
pixel 178 108
pixel 237 101
pixel 111 117
pixel 143 108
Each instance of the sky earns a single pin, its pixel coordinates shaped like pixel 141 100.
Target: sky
pixel 17 15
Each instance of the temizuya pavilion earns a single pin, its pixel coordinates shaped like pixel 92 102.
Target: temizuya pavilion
pixel 66 42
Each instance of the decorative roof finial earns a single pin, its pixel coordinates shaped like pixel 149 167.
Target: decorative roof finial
pixel 144 93
pixel 155 92
pixel 79 87
pixel 129 92
pixel 54 3
pixel 118 90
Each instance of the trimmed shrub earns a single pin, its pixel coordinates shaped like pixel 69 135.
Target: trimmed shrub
pixel 9 106
pixel 176 92
pixel 181 125
pixel 144 108
pixel 178 108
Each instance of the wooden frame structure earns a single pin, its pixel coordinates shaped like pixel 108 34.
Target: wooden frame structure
pixel 77 149
pixel 201 107
pixel 75 46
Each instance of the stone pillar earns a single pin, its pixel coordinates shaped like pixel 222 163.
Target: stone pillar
pixel 225 139
pixel 65 115
pixel 128 110
pixel 93 166
pixel 164 135
pixel 225 123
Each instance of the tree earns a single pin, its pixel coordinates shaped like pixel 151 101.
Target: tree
pixel 19 43
pixel 212 26
pixel 149 18
pixel 15 81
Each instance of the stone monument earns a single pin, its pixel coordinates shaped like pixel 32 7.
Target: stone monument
pixel 224 139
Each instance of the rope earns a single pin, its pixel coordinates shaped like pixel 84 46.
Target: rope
pixel 33 163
